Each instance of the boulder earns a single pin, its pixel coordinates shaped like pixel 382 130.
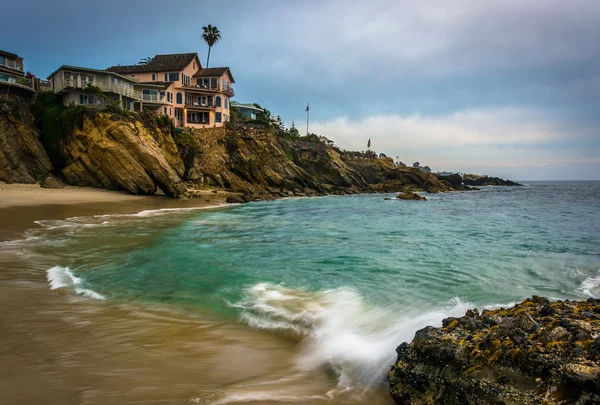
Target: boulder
pixel 51 181
pixel 411 196
pixel 532 353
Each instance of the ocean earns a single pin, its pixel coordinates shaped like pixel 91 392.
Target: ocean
pixel 328 285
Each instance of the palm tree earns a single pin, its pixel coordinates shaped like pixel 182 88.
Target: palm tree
pixel 145 61
pixel 211 36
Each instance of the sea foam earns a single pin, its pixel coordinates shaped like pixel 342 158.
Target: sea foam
pixel 338 328
pixel 63 277
pixel 591 286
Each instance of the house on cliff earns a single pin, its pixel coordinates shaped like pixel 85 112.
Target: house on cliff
pixel 178 86
pixel 12 75
pixel 93 88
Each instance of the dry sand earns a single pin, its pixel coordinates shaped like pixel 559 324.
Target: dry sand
pixel 33 194
pixel 22 204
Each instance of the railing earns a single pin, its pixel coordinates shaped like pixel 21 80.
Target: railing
pixel 153 98
pixel 23 81
pixel 111 87
pixel 202 105
pixel 227 89
pixel 12 64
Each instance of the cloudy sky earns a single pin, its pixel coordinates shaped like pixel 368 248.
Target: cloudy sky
pixel 505 87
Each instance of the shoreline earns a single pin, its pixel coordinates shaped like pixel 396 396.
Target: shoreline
pixel 22 204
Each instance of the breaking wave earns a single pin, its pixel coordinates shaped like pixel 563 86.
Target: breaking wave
pixel 63 277
pixel 338 328
pixel 591 286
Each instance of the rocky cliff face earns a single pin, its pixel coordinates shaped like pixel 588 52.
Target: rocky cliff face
pixel 260 165
pixel 22 156
pixel 124 151
pixel 122 155
pixel 537 352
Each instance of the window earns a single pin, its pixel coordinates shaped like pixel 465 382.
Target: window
pixel 150 95
pixel 170 111
pixel 207 82
pixel 226 103
pixel 169 97
pixel 165 110
pixel 2 60
pixel 198 117
pixel 218 101
pixel 193 65
pixel 210 101
pixel 172 77
pixel 86 99
pixel 179 98
pixel 218 118
pixel 162 96
pixel 153 77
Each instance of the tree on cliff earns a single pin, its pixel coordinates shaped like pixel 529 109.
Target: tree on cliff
pixel 211 36
pixel 145 61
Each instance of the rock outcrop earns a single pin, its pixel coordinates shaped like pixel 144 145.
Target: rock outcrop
pixel 477 180
pixel 120 155
pixel 22 156
pixel 411 196
pixel 537 352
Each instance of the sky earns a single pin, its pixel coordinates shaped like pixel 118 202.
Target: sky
pixel 509 88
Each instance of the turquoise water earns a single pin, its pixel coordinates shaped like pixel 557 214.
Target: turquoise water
pixel 353 272
pixel 496 246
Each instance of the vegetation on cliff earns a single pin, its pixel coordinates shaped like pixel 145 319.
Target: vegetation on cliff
pixel 537 352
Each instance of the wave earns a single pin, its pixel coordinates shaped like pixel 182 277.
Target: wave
pixel 160 211
pixel 591 286
pixel 338 328
pixel 63 277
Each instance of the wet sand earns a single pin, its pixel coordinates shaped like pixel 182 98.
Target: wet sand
pixel 60 348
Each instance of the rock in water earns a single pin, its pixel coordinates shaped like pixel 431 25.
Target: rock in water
pixel 477 180
pixel 536 352
pixel 410 196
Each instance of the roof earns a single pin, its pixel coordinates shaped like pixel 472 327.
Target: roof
pixel 9 55
pixel 84 69
pixel 162 85
pixel 215 71
pixel 160 63
pixel 248 106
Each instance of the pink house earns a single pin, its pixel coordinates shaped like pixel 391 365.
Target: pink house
pixel 176 85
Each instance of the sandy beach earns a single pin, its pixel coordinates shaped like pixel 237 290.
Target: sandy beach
pixel 22 204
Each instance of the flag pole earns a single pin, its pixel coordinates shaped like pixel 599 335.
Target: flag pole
pixel 307 116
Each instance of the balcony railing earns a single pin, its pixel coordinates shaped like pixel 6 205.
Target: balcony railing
pixel 23 81
pixel 111 87
pixel 219 88
pixel 153 98
pixel 9 63
pixel 200 105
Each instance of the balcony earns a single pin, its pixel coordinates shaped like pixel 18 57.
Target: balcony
pixel 110 88
pixel 153 98
pixel 17 81
pixel 200 105
pixel 218 89
pixel 11 64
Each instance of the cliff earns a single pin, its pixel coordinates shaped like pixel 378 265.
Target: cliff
pixel 143 154
pixel 22 156
pixel 537 352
